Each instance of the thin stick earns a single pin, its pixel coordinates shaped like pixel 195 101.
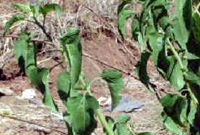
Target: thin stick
pixel 108 65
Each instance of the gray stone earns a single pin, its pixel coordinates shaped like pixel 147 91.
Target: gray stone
pixel 126 105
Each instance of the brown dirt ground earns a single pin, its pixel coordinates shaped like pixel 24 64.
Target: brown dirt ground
pixel 100 51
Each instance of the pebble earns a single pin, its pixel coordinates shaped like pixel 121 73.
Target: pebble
pixel 28 94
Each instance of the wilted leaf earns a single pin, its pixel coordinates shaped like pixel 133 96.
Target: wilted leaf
pixel 48 8
pixel 13 19
pixel 115 84
pixel 81 110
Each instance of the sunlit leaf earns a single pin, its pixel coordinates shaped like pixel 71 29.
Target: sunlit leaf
pixel 115 84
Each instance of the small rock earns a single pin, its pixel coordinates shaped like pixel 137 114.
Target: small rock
pixel 126 105
pixel 28 94
pixel 6 92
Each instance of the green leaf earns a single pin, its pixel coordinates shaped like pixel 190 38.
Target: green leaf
pixel 169 101
pixel 111 123
pixel 146 133
pixel 81 110
pixel 198 133
pixel 22 7
pixel 26 57
pixel 195 27
pixel 43 74
pixel 21 49
pixel 156 43
pixel 142 69
pixel 123 15
pixel 192 77
pixel 192 112
pixel 64 85
pixel 13 19
pixel 30 60
pixel 83 83
pixel 191 56
pixel 141 42
pixel 122 118
pixel 121 125
pixel 48 8
pixel 72 49
pixel 176 77
pixel 171 125
pixel 135 27
pixel 176 107
pixel 182 21
pixel 115 84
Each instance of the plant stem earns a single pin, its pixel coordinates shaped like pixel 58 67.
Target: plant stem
pixel 104 122
pixel 42 28
pixel 99 113
pixel 175 54
pixel 192 94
